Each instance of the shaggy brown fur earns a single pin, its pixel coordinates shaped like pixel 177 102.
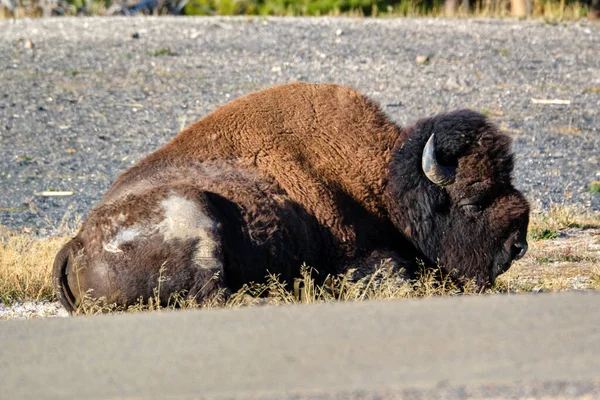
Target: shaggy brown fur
pixel 297 173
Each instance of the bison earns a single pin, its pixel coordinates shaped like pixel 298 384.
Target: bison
pixel 299 173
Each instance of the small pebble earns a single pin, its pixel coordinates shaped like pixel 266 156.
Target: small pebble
pixel 29 44
pixel 422 60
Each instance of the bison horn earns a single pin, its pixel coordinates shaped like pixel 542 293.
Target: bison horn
pixel 435 172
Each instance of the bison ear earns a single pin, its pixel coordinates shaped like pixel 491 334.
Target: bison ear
pixel 436 173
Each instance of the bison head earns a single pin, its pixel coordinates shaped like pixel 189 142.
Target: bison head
pixel 451 194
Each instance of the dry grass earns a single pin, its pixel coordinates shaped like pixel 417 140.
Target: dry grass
pixel 564 254
pixel 569 261
pixel 548 225
pixel 384 284
pixel 25 267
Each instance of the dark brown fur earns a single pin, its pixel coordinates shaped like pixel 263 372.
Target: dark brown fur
pixel 292 174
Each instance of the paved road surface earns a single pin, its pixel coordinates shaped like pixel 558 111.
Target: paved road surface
pixel 470 347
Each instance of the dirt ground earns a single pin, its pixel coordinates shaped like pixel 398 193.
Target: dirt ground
pixel 83 99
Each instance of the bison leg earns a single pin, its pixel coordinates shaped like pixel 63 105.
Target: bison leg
pixel 377 261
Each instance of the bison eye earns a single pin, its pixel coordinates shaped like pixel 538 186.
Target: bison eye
pixel 471 209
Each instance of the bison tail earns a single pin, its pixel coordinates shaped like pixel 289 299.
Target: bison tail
pixel 65 259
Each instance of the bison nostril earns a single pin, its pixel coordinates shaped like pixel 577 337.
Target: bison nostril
pixel 518 250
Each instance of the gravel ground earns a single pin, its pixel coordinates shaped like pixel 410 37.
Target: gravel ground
pixel 83 99
pixel 32 309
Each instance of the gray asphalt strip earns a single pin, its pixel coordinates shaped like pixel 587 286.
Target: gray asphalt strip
pixel 365 347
